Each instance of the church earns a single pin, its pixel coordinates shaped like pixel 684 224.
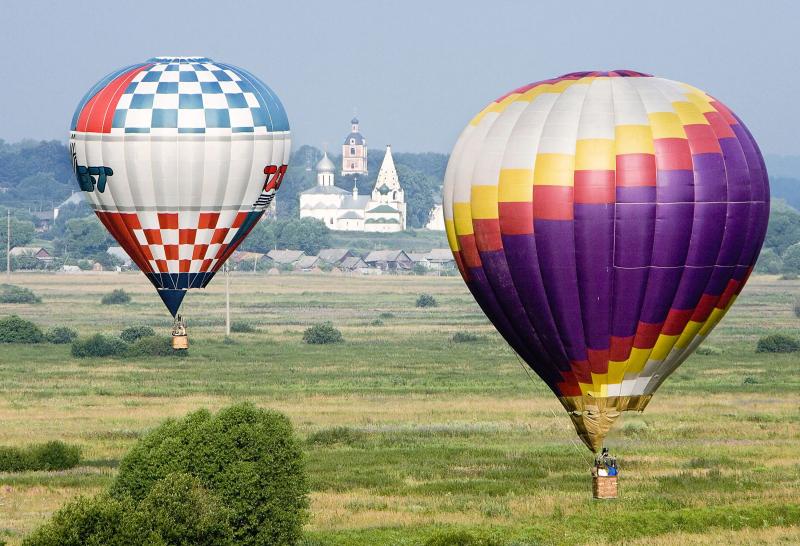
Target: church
pixel 384 210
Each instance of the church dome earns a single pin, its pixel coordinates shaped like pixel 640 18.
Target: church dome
pixel 354 121
pixel 325 165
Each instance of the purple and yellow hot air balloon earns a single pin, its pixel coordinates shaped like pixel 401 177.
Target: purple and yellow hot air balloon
pixel 605 222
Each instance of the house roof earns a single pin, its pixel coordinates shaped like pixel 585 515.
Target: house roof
pixel 285 256
pixel 27 250
pixel 74 199
pixel 359 202
pixel 242 255
pixel 352 262
pixel 333 255
pixel 382 221
pixel 350 215
pixel 385 256
pixel 417 256
pixel 357 137
pixel 307 262
pixel 383 208
pixel 440 255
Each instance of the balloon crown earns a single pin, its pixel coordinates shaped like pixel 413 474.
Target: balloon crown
pixel 170 59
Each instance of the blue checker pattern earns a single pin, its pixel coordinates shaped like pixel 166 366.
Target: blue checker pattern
pixel 196 96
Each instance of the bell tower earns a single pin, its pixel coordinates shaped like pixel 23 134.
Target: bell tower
pixel 354 151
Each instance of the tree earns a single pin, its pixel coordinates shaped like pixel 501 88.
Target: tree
pixel 769 262
pixel 84 237
pixel 791 259
pixel 261 238
pixel 783 230
pixel 306 234
pixel 419 189
pixel 22 231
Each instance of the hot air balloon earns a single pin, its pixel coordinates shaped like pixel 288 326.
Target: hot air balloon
pixel 179 157
pixel 605 222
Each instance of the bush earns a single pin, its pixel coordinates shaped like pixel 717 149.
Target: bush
pixel 249 458
pixel 242 327
pixel 116 297
pixel 336 435
pixel 376 322
pixel 797 307
pixel 386 315
pixel 320 334
pixel 10 293
pixel 55 455
pixel 98 345
pixel 14 329
pixel 708 350
pixel 61 335
pixel 132 333
pixel 153 346
pixel 790 276
pixel 177 511
pixel 426 300
pixel 778 343
pixel 465 337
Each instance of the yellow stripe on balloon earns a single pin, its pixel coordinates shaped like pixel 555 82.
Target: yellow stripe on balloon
pixel 663 346
pixel 702 102
pixel 666 125
pixel 462 215
pixel 616 371
pixel 634 139
pixel 515 185
pixel 689 113
pixel 554 170
pixel 595 154
pixel 484 202
pixel 692 327
pixel 452 240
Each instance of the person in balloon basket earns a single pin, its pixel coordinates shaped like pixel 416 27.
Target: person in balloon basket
pixel 605 465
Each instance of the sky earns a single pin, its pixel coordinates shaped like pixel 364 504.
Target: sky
pixel 414 71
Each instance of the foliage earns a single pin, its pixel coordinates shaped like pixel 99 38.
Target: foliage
pixel 10 293
pixel 153 346
pixel 249 458
pixel 419 269
pixel 54 455
pixel 778 343
pixel 465 337
pixel 99 345
pixel 307 234
pixel 783 230
pixel 796 307
pixel 132 333
pixel 323 333
pixel 177 511
pixel 336 435
pixel 791 259
pixel 426 300
pixel 769 262
pixel 242 327
pixel 376 322
pixel 84 237
pixel 708 350
pixel 14 329
pixel 22 231
pixel 117 296
pixel 61 335
pixel 386 315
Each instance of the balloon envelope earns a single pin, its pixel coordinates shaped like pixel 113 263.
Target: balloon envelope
pixel 605 222
pixel 179 157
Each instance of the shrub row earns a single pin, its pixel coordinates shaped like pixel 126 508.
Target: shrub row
pixel 55 455
pixel 237 477
pixel 10 293
pixel 99 345
pixel 321 334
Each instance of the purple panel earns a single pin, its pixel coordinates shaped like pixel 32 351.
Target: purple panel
pixel 662 284
pixel 523 263
pixel 499 278
pixel 629 287
pixel 690 289
pixel 675 186
pixel 719 280
pixel 736 170
pixel 555 245
pixel 710 183
pixel 736 227
pixel 707 230
pixel 673 229
pixel 636 194
pixel 635 225
pixel 594 249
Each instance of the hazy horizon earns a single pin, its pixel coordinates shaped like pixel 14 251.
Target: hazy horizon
pixel 414 72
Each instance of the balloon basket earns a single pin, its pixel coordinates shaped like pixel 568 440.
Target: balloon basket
pixel 604 487
pixel 180 341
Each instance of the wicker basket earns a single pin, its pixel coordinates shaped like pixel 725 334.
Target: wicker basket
pixel 604 487
pixel 180 342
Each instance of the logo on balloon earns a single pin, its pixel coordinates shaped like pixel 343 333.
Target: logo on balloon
pixel 275 176
pixel 86 175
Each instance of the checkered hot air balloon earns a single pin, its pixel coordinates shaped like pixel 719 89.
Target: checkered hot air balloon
pixel 605 222
pixel 179 157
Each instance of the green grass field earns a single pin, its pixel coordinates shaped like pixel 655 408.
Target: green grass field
pixel 408 434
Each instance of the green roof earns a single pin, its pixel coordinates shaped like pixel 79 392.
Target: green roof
pixel 382 221
pixel 384 189
pixel 383 208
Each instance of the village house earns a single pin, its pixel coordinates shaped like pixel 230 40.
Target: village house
pixel 37 252
pixel 285 257
pixel 389 260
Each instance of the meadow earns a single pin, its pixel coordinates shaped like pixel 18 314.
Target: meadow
pixel 408 434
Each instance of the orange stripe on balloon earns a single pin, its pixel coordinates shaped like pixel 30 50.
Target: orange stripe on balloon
pixel 553 202
pixel 594 187
pixel 702 139
pixel 516 218
pixel 720 126
pixel 646 334
pixel 677 319
pixel 672 154
pixel 487 234
pixel 636 170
